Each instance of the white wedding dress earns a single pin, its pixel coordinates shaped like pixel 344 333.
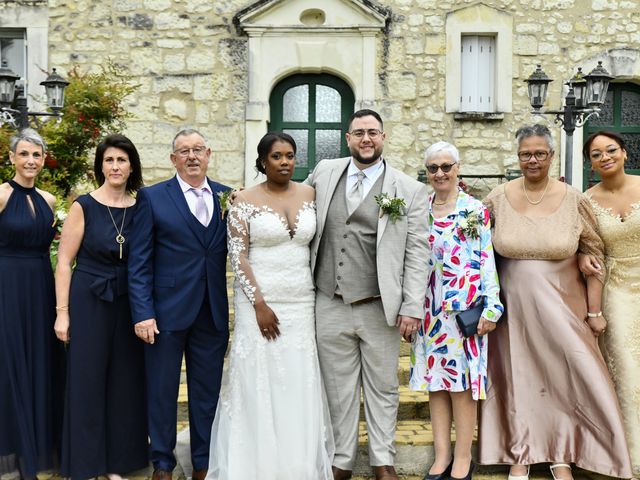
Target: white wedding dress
pixel 272 421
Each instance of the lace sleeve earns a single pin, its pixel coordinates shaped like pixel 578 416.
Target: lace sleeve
pixel 590 241
pixel 238 244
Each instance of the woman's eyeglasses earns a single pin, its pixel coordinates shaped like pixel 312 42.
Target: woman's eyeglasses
pixel 597 155
pixel 539 155
pixel 445 167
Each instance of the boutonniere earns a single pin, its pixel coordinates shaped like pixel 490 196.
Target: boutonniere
pixel 224 202
pixel 394 207
pixel 469 224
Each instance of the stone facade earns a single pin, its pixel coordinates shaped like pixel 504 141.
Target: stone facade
pixel 192 67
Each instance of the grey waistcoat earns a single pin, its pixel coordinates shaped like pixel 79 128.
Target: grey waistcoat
pixel 347 255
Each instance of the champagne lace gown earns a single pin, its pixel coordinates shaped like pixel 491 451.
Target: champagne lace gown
pixel 272 420
pixel 549 397
pixel 621 308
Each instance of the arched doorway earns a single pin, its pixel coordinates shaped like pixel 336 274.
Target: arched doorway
pixel 314 110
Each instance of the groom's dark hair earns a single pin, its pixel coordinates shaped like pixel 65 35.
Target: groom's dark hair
pixel 365 112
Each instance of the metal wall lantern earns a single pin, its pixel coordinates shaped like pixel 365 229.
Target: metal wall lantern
pixel 13 103
pixel 587 93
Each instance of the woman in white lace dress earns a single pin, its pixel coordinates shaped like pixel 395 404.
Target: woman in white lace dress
pixel 272 421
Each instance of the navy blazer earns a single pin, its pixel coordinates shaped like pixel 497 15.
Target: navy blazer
pixel 174 261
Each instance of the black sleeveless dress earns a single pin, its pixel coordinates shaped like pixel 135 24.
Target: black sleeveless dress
pixel 27 340
pixel 105 420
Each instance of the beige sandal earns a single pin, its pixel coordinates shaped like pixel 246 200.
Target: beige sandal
pixel 559 465
pixel 520 477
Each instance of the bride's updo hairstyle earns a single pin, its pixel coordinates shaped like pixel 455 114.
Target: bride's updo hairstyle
pixel 265 144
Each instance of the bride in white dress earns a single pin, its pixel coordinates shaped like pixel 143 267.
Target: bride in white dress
pixel 272 422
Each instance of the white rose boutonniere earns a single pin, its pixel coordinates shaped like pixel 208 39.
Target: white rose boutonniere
pixel 468 225
pixel 394 207
pixel 224 202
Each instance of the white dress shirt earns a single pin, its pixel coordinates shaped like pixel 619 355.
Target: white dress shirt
pixel 191 197
pixel 371 173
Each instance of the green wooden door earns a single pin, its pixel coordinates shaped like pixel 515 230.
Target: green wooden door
pixel 620 114
pixel 314 110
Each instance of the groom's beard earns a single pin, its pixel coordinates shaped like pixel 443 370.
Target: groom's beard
pixel 373 158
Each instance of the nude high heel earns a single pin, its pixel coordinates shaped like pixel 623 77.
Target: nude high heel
pixel 520 477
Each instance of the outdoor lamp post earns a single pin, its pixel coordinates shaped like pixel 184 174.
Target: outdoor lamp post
pixel 10 95
pixel 586 95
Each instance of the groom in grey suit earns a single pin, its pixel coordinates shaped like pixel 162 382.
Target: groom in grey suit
pixel 371 278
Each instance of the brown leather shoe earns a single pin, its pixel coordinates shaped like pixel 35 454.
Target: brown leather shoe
pixel 339 474
pixel 199 474
pixel 385 472
pixel 161 475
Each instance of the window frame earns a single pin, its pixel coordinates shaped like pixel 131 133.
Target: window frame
pixel 347 100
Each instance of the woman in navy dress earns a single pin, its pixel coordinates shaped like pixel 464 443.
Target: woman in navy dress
pixel 27 313
pixel 105 419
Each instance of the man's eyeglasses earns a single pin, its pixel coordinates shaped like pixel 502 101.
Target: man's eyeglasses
pixel 540 155
pixel 197 151
pixel 445 167
pixel 597 155
pixel 371 133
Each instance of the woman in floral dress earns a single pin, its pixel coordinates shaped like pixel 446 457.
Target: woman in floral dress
pixel 452 368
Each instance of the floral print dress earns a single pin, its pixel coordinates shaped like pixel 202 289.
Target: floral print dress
pixel 461 269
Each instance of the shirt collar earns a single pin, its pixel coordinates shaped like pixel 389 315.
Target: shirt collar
pixel 369 172
pixel 185 187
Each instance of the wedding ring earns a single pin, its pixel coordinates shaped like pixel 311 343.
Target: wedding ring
pixel 265 329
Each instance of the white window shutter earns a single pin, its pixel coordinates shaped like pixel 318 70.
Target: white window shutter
pixel 478 73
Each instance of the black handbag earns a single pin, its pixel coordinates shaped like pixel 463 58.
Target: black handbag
pixel 468 320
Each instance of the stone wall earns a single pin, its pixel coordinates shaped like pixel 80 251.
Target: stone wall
pixel 191 65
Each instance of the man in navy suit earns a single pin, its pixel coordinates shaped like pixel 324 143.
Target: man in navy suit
pixel 178 295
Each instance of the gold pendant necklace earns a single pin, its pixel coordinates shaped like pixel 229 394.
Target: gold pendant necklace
pixel 119 237
pixel 544 192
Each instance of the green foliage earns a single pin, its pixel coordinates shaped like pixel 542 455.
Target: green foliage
pixel 93 107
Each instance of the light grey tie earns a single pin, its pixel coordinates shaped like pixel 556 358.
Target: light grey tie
pixel 202 212
pixel 355 195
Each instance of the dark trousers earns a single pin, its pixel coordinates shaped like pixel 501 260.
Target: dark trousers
pixel 105 427
pixel 204 347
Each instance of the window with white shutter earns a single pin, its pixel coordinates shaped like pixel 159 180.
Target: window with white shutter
pixel 478 60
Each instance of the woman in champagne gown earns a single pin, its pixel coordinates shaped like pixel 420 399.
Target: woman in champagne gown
pixel 616 203
pixel 28 360
pixel 550 398
pixel 272 421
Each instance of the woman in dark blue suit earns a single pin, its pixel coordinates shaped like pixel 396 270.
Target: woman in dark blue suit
pixel 105 427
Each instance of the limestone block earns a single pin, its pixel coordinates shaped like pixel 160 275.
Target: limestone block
pixel 396 56
pixel 227 167
pixel 415 19
pixel 401 136
pixel 427 4
pixel 220 87
pixel 436 22
pixel 227 137
pixel 622 38
pixel 435 44
pixel 525 45
pixel 414 45
pixel 402 85
pixel 163 134
pixel 90 46
pixel 547 48
pixel 564 27
pixel 139 132
pixel 198 6
pixel 202 113
pixel 168 83
pixel 173 62
pixel 528 27
pixel 58 59
pixel 145 61
pixel 145 107
pixel 140 21
pixel 157 5
pixel 557 4
pixel 203 86
pixel 233 53
pixel 425 89
pixel 170 43
pixel 604 5
pixel 126 5
pixel 171 21
pixel 235 111
pixel 577 53
pixel 201 61
pixel 631 27
pixel 175 109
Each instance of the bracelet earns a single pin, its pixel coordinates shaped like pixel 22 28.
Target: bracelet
pixel 594 314
pixel 62 307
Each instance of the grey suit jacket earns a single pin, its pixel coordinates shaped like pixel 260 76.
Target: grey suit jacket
pixel 402 253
